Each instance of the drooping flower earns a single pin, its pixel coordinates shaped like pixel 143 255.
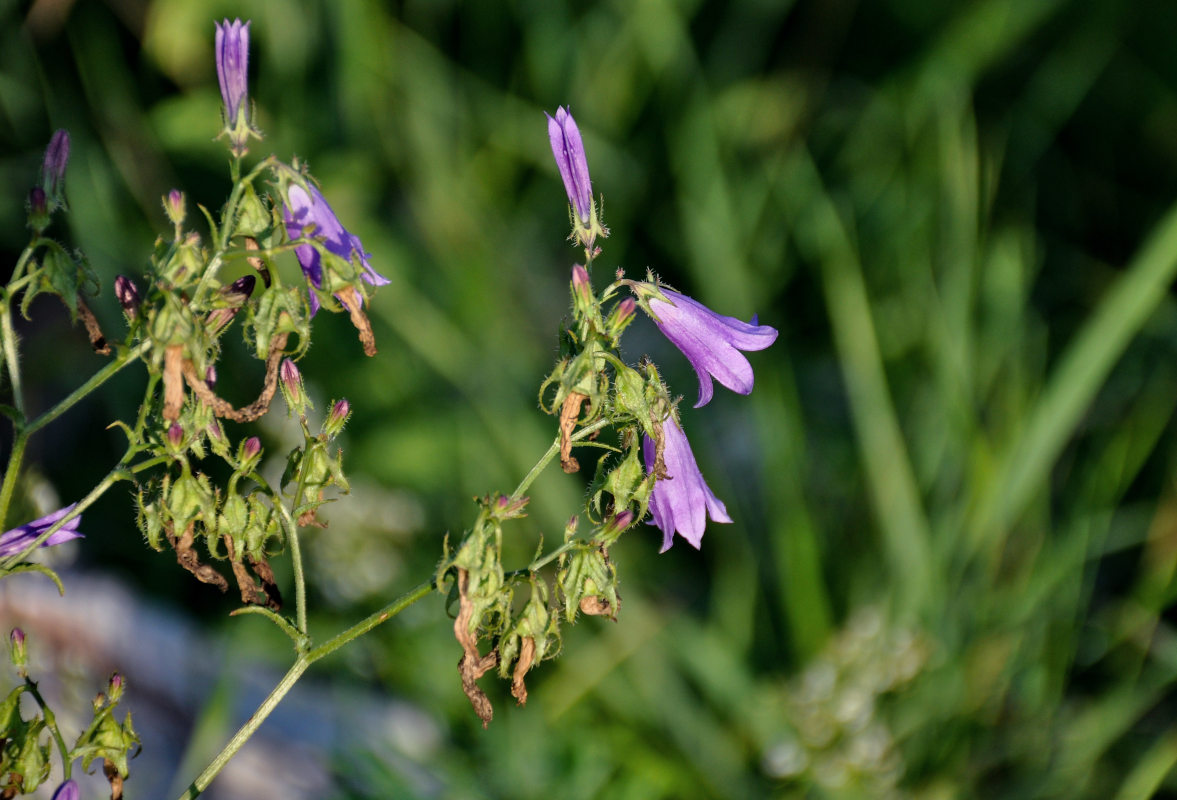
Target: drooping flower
pixel 568 149
pixel 710 341
pixel 67 791
pixel 232 44
pixel 303 210
pixel 17 539
pixel 681 501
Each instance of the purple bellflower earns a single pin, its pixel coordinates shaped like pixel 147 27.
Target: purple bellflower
pixel 302 210
pixel 17 539
pixel 232 45
pixel 682 501
pixel 568 149
pixel 67 791
pixel 710 341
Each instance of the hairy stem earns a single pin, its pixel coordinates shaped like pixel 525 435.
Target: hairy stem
pixel 291 677
pixel 51 724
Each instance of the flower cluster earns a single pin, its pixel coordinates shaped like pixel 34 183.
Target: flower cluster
pixel 713 343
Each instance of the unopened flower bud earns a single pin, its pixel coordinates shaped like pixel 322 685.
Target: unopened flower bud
pixel 175 435
pixel 38 210
pixel 509 507
pixel 582 286
pixel 214 428
pixel 114 689
pixel 232 46
pixel 128 296
pixel 175 207
pixel 620 317
pixel 615 526
pixel 569 152
pixel 16 641
pixel 53 168
pixel 335 421
pixel 37 203
pixel 249 452
pixel 291 377
pixel 235 295
pixel 290 380
pixel 210 376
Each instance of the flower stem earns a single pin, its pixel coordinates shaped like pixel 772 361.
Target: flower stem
pixel 14 459
pixel 51 724
pixel 291 677
pixel 300 587
pixel 247 730
pixel 547 457
pixel 97 379
pixel 23 431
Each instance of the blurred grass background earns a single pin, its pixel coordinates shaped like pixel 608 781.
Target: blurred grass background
pixel 953 486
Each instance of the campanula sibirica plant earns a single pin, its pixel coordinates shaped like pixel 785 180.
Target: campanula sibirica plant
pixel 199 469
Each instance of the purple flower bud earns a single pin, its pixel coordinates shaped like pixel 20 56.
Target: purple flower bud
pixel 710 341
pixel 508 507
pixel 682 501
pixel 18 654
pixel 175 434
pixel 53 168
pixel 175 207
pixel 38 205
pixel 569 152
pixel 308 215
pixel 17 539
pixel 241 288
pixel 128 295
pixel 214 428
pixel 625 309
pixel 67 791
pixel 614 526
pixel 291 377
pixel 232 44
pixel 210 376
pixel 251 448
pixel 582 286
pixel 340 411
pixel 114 689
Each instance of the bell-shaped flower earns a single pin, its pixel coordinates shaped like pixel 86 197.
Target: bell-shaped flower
pixel 232 45
pixel 305 209
pixel 710 341
pixel 17 539
pixel 681 501
pixel 568 149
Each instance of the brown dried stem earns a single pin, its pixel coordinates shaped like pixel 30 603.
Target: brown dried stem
pixel 223 408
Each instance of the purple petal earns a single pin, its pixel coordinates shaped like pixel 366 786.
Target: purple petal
pixel 67 791
pixel 232 48
pixel 568 149
pixel 17 539
pixel 682 501
pixel 711 342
